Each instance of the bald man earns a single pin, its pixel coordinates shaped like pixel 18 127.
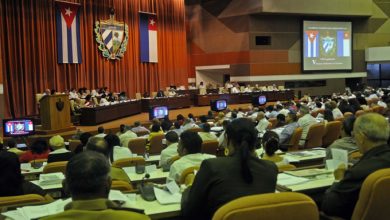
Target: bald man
pixel 371 132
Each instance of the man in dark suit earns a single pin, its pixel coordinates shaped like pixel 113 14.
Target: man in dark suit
pixel 371 132
pixel 160 94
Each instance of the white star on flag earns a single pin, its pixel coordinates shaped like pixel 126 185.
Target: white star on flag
pixel 68 11
pixel 152 22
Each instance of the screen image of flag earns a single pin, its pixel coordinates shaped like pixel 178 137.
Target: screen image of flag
pixel 68 33
pixel 148 37
pixel 311 44
pixel 343 44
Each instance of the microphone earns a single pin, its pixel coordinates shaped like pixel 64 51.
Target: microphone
pixel 146 189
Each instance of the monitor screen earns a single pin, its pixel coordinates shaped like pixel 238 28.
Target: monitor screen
pixel 259 100
pixel 218 105
pixel 18 127
pixel 158 112
pixel 326 45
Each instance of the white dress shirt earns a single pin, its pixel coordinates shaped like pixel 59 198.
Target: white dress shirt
pixel 189 160
pixel 125 138
pixel 168 153
pixel 121 153
pixel 262 125
pixel 305 122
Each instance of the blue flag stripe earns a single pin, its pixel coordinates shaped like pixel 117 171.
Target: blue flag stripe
pixel 144 37
pixel 70 49
pixel 59 38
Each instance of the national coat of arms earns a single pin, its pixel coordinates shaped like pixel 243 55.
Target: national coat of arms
pixel 112 37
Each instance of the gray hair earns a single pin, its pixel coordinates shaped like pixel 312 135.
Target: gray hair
pixel 304 109
pixel 374 126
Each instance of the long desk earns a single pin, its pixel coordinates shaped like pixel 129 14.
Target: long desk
pixel 239 98
pixel 171 102
pixel 100 114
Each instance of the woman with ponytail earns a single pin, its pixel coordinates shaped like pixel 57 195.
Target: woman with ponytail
pixel 240 173
pixel 270 143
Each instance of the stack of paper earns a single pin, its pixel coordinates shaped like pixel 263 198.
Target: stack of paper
pixel 289 180
pixel 51 178
pixel 169 196
pixel 308 172
pixel 35 212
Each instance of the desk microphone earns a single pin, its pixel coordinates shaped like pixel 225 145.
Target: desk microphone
pixel 146 189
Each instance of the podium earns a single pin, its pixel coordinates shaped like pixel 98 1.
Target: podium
pixel 55 114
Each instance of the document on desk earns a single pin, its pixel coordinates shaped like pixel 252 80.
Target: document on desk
pixel 35 212
pixel 51 178
pixel 339 156
pixel 289 180
pixel 165 197
pixel 308 172
pixel 116 195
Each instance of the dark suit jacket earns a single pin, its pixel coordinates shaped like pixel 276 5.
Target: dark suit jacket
pixel 341 198
pixel 219 181
pixel 59 157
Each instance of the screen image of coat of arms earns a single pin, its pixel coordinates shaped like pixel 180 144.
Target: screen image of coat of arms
pixel 326 45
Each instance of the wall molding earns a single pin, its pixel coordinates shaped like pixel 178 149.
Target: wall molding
pixel 305 76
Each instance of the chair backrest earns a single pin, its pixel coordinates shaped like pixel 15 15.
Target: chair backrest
pixel 286 167
pixel 21 200
pixel 347 114
pixel 138 96
pixel 173 159
pixel 378 109
pixel 314 135
pixel 189 170
pixel 55 167
pixel 359 112
pixel 295 137
pixel 189 179
pixel 38 161
pixel 129 162
pixel 210 147
pixel 137 145
pixel 314 113
pixel 195 129
pixel 154 94
pixel 141 133
pixel 156 144
pixel 273 122
pixel 275 206
pixel 374 197
pixel 332 133
pixel 73 144
pixel 122 186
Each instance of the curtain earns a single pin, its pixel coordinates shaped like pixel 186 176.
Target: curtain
pixel 29 51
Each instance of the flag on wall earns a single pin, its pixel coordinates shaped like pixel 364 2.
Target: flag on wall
pixel 311 44
pixel 68 33
pixel 343 44
pixel 148 37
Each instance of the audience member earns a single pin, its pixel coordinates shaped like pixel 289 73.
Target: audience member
pixel 38 150
pixel 88 182
pixel 137 128
pixel 170 151
pixel 206 135
pixel 224 179
pixel 59 153
pixel 100 132
pixel 177 128
pixel 287 131
pixel 347 142
pixel 122 130
pixel 116 151
pixel 263 123
pixel 305 121
pixel 189 149
pixel 371 133
pixel 188 124
pixel 84 137
pixel 12 146
pixel 99 145
pixel 166 124
pixel 270 143
pixel 12 182
pixel 281 120
pixel 126 137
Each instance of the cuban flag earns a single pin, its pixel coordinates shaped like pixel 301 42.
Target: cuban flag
pixel 68 33
pixel 311 44
pixel 343 44
pixel 148 37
